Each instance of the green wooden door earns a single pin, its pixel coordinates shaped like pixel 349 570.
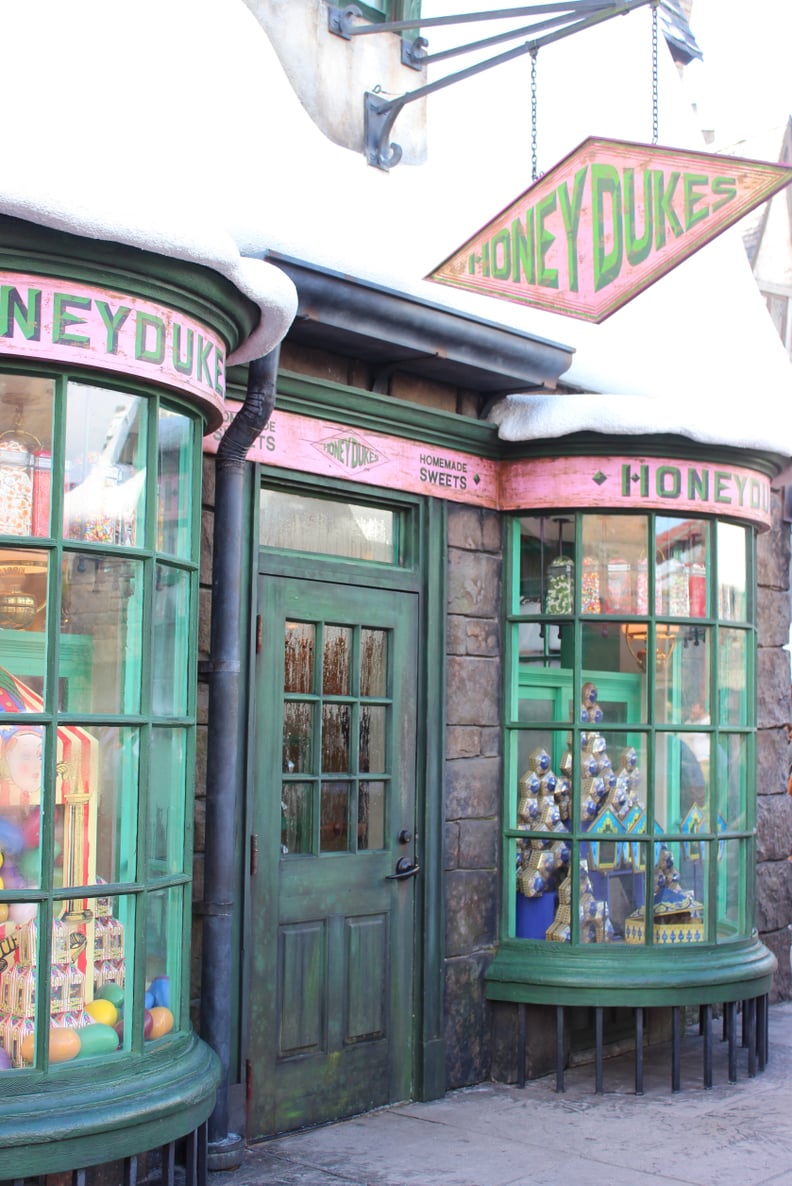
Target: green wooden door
pixel 331 994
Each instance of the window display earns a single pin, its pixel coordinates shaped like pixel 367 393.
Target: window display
pixel 96 719
pixel 629 730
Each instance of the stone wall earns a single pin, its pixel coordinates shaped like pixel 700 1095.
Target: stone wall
pixel 774 805
pixel 473 785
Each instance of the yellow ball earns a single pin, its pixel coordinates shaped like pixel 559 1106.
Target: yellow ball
pixel 102 1011
pixel 3 911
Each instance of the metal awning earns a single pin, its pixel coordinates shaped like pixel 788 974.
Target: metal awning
pixel 394 331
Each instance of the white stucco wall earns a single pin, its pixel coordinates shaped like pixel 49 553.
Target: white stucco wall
pixel 177 129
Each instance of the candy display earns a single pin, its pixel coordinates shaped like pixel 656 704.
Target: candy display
pixel 559 596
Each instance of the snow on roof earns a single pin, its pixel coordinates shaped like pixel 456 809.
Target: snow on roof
pixel 185 137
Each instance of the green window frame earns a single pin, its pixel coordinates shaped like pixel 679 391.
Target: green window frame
pixel 98 609
pixel 629 757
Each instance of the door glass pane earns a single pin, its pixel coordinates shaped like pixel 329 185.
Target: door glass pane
pixel 171 619
pixel 305 523
pixel 732 573
pixel 104 500
pixel 337 665
pixel 102 613
pixel 373 721
pixel 371 815
pixel 25 455
pixel 296 818
pixel 174 483
pixel 336 724
pixel 334 821
pixel 373 660
pixel 297 737
pixel 299 657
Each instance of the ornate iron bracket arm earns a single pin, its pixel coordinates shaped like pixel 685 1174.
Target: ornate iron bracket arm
pixel 381 114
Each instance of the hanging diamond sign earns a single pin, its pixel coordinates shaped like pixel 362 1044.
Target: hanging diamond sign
pixel 606 223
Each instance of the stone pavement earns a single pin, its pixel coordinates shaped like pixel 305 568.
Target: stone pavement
pixel 494 1135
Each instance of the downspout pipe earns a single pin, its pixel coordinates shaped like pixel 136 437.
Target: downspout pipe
pixel 224 757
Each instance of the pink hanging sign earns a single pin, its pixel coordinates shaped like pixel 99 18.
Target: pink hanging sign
pixel 606 223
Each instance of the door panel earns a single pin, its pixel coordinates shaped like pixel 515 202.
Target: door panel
pixel 331 931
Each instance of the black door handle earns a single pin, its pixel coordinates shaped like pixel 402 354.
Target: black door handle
pixel 404 869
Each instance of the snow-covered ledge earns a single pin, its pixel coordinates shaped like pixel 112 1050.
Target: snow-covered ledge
pixel 752 423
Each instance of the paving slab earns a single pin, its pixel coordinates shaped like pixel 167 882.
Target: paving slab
pixel 502 1135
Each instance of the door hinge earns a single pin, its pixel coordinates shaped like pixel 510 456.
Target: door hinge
pixel 253 854
pixel 259 634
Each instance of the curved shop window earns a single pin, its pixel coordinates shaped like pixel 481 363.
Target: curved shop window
pixel 630 731
pixel 98 573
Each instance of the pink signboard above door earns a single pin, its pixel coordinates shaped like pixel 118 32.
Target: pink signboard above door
pixel 606 223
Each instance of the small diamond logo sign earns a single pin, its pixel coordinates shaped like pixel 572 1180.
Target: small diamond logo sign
pixel 350 452
pixel 606 223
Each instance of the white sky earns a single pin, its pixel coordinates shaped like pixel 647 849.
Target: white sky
pixel 744 85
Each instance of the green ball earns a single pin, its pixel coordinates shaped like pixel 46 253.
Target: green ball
pixel 111 992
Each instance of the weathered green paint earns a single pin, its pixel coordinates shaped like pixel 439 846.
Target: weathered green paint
pixel 308 1063
pixel 624 976
pixel 77 1118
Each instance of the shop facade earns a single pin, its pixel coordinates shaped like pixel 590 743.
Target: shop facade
pixel 368 729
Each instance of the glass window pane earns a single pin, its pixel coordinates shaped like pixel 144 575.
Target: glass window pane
pixel 86 989
pixel 104 500
pixel 299 657
pixel 296 818
pixel 546 565
pixel 174 483
pixel 306 523
pixel 297 737
pixel 682 567
pixel 337 665
pixel 167 796
pixel 615 669
pixel 615 564
pixel 371 815
pixel 731 756
pixel 373 662
pixel 334 819
pixel 171 618
pixel 732 573
pixel 21 766
pixel 96 805
pixel 25 455
pixel 373 736
pixel 336 725
pixel 165 921
pixel 682 762
pixel 23 625
pixel 103 614
pixel 683 675
pixel 735 890
pixel 733 699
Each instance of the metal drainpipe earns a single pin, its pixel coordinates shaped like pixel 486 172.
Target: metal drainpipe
pixel 223 756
